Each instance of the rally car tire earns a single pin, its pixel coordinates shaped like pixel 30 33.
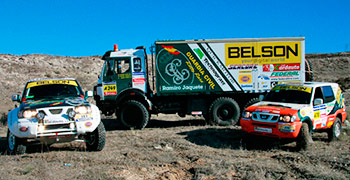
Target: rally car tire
pixel 96 140
pixel 335 131
pixel 304 139
pixel 15 145
pixel 224 111
pixel 134 115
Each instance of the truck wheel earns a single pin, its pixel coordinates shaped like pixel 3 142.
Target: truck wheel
pixel 15 145
pixel 96 139
pixel 304 139
pixel 309 75
pixel 224 111
pixel 335 131
pixel 134 115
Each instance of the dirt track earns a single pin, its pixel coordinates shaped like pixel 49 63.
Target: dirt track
pixel 170 147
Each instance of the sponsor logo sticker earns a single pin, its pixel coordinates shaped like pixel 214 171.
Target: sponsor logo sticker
pixel 245 78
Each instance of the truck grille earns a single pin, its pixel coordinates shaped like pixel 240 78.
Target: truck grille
pixel 55 111
pixel 264 117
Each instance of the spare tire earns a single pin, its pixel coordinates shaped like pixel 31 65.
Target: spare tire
pixel 309 75
pixel 224 111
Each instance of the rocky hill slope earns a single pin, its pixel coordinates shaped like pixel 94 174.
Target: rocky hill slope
pixel 15 71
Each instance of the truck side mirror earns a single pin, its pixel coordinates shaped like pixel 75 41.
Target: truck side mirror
pixel 88 94
pixel 318 101
pixel 16 97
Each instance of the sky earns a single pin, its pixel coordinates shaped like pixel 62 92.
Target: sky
pixel 92 27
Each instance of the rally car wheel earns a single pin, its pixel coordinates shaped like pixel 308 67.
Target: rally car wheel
pixel 224 111
pixel 335 131
pixel 96 139
pixel 304 139
pixel 134 115
pixel 14 144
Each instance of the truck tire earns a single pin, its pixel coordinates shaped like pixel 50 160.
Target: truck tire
pixel 224 111
pixel 96 140
pixel 335 131
pixel 133 115
pixel 15 145
pixel 309 75
pixel 304 139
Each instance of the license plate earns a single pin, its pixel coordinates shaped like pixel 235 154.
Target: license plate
pixel 55 121
pixel 261 129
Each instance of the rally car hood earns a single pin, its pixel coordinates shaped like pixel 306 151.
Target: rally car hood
pixel 276 107
pixel 53 103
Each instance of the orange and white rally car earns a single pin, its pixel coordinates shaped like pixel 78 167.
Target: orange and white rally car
pixel 294 111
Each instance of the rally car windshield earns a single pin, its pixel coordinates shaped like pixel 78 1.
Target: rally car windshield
pixel 52 91
pixel 289 96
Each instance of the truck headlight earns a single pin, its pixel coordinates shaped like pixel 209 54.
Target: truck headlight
pixel 247 114
pixel 83 109
pixel 28 114
pixel 287 118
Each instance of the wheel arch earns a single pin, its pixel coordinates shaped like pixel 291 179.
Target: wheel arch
pixel 309 122
pixel 134 94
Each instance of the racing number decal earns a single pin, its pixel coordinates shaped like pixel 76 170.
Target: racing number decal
pixel 317 115
pixel 110 88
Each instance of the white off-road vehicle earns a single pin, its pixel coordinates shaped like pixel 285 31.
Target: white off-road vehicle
pixel 53 111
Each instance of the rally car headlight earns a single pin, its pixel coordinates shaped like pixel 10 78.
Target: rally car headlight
pixel 287 118
pixel 82 109
pixel 247 114
pixel 30 113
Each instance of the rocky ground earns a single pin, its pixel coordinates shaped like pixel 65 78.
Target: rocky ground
pixel 170 147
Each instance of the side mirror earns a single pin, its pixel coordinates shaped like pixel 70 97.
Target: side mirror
pixel 16 97
pixel 318 101
pixel 88 94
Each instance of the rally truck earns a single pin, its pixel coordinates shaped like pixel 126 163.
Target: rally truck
pixel 54 111
pixel 293 111
pixel 211 78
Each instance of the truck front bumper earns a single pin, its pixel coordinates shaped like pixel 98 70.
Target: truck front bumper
pixel 277 129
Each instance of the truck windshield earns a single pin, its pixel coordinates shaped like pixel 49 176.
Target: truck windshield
pixel 53 91
pixel 289 96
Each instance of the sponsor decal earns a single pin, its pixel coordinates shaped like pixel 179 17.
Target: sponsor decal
pixel 183 87
pixel 285 74
pixel 124 76
pixel 242 66
pixel 263 53
pixel 245 78
pixel 88 124
pixel 281 67
pixel 110 88
pixel 139 81
pixel 246 86
pixel 84 117
pixel 48 82
pixel 171 50
pixel 299 88
pixel 287 67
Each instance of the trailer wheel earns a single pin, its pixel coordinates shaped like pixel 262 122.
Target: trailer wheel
pixel 15 145
pixel 304 139
pixel 309 75
pixel 335 131
pixel 224 111
pixel 134 115
pixel 96 140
